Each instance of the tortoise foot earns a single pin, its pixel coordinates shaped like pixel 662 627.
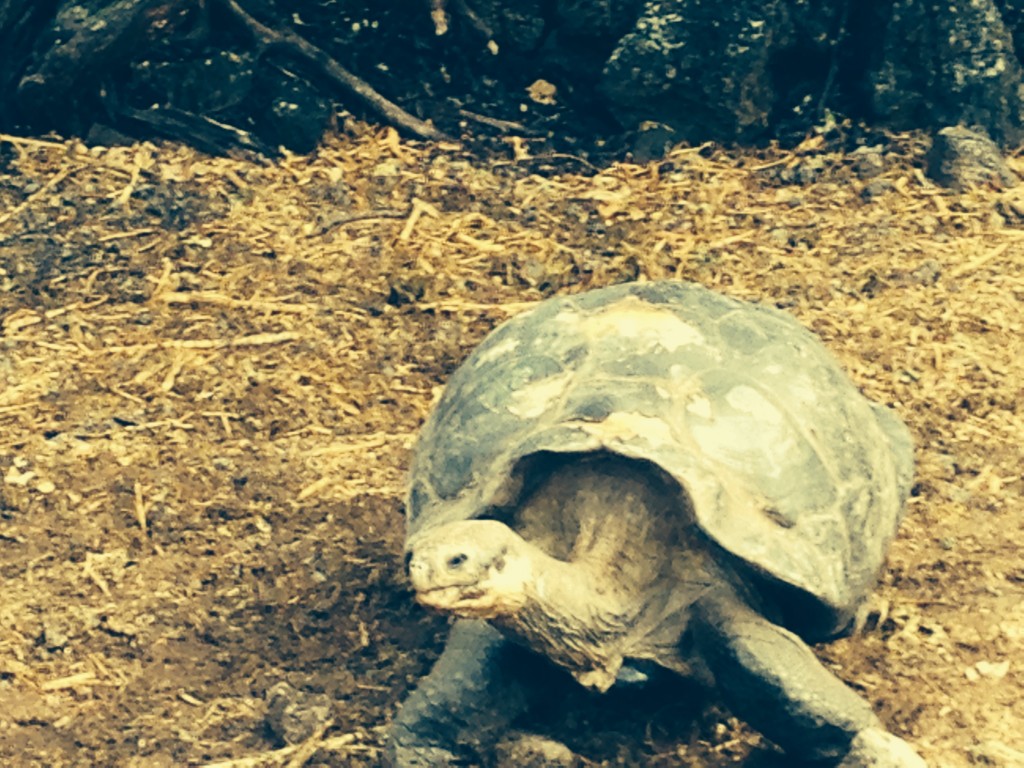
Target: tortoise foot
pixel 422 757
pixel 876 748
pixel 527 750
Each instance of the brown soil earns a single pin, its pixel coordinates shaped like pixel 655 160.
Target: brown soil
pixel 212 371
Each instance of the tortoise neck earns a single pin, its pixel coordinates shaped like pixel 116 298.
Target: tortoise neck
pixel 571 617
pixel 617 562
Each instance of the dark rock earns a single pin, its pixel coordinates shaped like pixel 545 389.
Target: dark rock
pixel 876 188
pixel 700 67
pixel 293 716
pixel 107 136
pixel 868 162
pixel 961 158
pixel 928 273
pixel 55 635
pixel 207 86
pixel 652 141
pixel 294 115
pixel 949 63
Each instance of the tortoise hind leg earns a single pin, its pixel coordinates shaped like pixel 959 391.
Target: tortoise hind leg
pixel 768 676
pixel 478 686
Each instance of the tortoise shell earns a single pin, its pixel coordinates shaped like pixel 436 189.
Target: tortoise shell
pixel 787 465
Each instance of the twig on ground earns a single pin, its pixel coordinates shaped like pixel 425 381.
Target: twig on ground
pixel 508 126
pixel 350 218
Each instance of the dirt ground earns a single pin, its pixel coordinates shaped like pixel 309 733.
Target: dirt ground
pixel 213 370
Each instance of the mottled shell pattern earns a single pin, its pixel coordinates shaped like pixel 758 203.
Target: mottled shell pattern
pixel 787 465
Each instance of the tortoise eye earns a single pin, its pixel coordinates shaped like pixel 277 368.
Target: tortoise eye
pixel 456 561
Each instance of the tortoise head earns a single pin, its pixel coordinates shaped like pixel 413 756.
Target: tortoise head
pixel 473 569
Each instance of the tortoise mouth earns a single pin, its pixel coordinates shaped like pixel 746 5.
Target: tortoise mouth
pixel 465 602
pixel 448 595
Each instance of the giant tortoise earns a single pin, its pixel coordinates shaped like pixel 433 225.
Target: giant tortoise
pixel 654 474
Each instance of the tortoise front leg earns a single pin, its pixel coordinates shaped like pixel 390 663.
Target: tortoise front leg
pixel 770 677
pixel 478 686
